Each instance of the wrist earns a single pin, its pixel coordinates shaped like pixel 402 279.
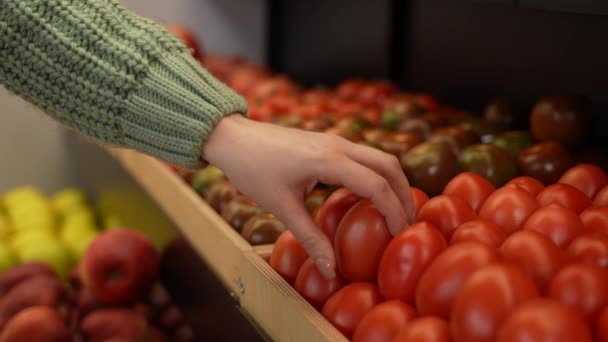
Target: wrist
pixel 224 134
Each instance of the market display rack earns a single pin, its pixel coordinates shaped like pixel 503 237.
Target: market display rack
pixel 260 292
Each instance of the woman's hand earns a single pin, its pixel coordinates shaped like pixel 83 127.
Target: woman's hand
pixel 277 167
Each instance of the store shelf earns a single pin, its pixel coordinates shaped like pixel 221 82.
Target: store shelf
pixel 261 293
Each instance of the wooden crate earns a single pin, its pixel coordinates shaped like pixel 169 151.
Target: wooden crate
pixel 262 294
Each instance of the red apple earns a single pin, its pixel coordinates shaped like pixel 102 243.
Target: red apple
pixel 36 324
pixel 114 324
pixel 22 272
pixel 119 266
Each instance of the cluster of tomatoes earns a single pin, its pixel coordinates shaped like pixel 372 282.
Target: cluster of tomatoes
pixel 523 262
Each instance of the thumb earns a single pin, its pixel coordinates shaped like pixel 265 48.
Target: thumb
pixel 308 234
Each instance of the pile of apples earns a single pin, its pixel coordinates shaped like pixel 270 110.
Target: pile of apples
pixel 524 262
pixel 111 295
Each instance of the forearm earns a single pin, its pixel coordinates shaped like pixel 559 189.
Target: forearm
pixel 113 76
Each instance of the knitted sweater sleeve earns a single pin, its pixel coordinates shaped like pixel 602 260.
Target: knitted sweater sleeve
pixel 112 76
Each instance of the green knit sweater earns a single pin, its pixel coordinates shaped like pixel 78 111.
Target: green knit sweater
pixel 113 76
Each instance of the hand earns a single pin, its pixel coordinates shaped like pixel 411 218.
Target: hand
pixel 277 167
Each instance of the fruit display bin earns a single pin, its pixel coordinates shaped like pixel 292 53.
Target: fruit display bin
pixel 279 311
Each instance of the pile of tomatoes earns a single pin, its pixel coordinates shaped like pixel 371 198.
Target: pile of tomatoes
pixel 523 262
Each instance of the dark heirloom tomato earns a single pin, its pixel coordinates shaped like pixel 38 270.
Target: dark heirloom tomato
pixel 535 254
pixel 203 179
pixel 545 161
pixel 481 231
pixel 430 166
pixel 543 319
pixel 375 135
pixel 345 308
pixel 471 187
pixel 383 322
pixel 583 287
pixel 420 198
pixel 601 326
pixel 508 208
pixel 418 127
pixel 313 286
pixel 559 224
pixel 446 213
pixel 398 143
pixel 331 213
pixel 457 137
pixel 239 210
pixel 262 229
pixel 405 259
pixel 601 198
pixel 485 300
pixel 425 329
pixel 562 118
pixel 531 185
pixel 287 256
pixel 360 241
pixel 590 248
pixel 564 195
pixel 587 178
pixel 491 162
pixel 503 114
pixel 595 219
pixel 443 279
pixel 513 142
pixel 219 194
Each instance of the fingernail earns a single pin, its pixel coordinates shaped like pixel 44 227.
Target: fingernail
pixel 325 268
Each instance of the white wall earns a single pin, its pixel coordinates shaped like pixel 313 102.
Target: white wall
pixel 32 147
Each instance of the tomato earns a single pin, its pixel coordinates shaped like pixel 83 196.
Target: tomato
pixel 545 161
pixel 581 286
pixel 345 308
pixel 383 322
pixel 425 329
pixel 590 248
pixel 595 219
pixel 508 208
pixel 360 241
pixel 420 198
pixel 444 277
pixel 601 198
pixel 446 213
pixel 531 185
pixel 313 286
pixel 470 187
pixel 587 178
pixel 486 298
pixel 564 195
pixel 330 214
pixel 563 118
pixel 560 224
pixel 601 326
pixel 349 89
pixel 481 231
pixel 535 254
pixel 405 259
pixel 287 256
pixel 544 319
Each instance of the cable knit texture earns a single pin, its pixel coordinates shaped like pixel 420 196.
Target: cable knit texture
pixel 113 76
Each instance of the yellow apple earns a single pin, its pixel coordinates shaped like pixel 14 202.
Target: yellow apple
pixel 53 252
pixel 73 232
pixel 66 200
pixel 80 216
pixel 8 257
pixel 22 194
pixel 6 228
pixel 21 239
pixel 80 245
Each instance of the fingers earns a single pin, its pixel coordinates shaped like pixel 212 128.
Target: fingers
pixel 388 166
pixel 368 184
pixel 312 239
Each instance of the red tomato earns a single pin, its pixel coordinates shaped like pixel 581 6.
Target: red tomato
pixel 287 256
pixel 331 212
pixel 425 329
pixel 313 286
pixel 375 93
pixel 508 208
pixel 587 178
pixel 581 286
pixel 564 195
pixel 371 115
pixel 535 254
pixel 383 322
pixel 444 277
pixel 349 89
pixel 481 231
pixel 470 187
pixel 420 198
pixel 601 198
pixel 530 184
pixel 405 259
pixel 590 248
pixel 446 213
pixel 601 326
pixel 485 300
pixel 595 219
pixel 560 224
pixel 544 319
pixel 345 308
pixel 360 241
pixel 427 102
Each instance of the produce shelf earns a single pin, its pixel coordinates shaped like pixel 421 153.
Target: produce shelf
pixel 243 269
